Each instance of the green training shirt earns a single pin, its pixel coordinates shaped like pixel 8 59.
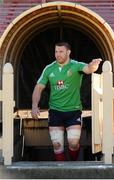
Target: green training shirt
pixel 65 83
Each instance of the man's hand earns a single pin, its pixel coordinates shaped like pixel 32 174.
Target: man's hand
pixel 35 112
pixel 92 66
pixel 95 63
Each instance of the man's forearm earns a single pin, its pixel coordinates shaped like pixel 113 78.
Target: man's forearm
pixel 35 100
pixel 37 95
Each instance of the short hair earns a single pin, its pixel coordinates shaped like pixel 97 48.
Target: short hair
pixel 67 45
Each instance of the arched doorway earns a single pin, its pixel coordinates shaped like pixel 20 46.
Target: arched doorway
pixel 28 42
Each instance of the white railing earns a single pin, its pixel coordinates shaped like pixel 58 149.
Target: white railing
pixel 102 112
pixel 6 96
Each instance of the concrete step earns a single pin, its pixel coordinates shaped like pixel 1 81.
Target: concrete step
pixel 57 170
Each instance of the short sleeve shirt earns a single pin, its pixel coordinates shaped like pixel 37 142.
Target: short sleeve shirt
pixel 65 83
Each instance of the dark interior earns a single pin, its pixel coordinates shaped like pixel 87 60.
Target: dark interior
pixel 40 51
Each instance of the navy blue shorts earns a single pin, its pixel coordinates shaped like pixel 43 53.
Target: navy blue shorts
pixel 66 119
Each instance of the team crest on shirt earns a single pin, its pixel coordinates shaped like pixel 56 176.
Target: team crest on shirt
pixel 69 72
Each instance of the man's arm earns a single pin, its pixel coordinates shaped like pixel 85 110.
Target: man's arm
pixel 35 100
pixel 92 66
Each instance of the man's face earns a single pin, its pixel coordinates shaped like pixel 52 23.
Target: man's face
pixel 61 54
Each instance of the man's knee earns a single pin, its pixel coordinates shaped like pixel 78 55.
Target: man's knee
pixel 73 138
pixel 57 145
pixel 73 145
pixel 57 137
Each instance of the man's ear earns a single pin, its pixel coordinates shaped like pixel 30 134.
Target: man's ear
pixel 69 52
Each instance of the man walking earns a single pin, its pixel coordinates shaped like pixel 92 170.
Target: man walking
pixel 65 108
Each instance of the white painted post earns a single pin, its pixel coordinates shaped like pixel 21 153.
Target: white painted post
pixel 107 143
pixel 96 112
pixel 7 110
